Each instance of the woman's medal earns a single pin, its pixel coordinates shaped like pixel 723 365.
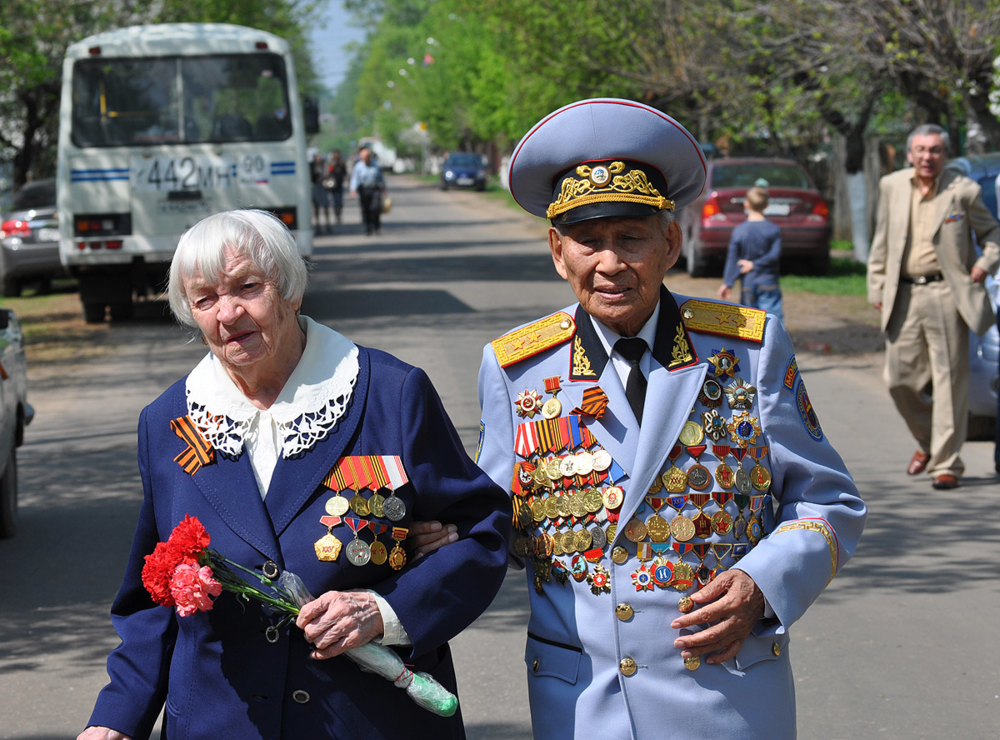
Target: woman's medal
pixel 358 551
pixel 378 550
pixel 394 508
pixel 397 558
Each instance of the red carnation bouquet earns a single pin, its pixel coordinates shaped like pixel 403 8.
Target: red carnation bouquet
pixel 185 573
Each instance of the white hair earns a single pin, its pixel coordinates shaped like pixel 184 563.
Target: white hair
pixel 254 235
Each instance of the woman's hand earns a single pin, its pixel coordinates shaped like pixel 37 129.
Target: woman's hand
pixel 426 537
pixel 340 620
pixel 101 733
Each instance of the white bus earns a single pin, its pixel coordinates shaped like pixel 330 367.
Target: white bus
pixel 160 126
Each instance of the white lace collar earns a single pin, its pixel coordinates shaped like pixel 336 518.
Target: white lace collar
pixel 306 410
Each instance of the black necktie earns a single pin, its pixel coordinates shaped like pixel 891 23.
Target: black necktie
pixel 635 389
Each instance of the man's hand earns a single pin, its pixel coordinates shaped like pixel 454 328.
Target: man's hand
pixel 733 604
pixel 101 733
pixel 978 274
pixel 426 537
pixel 745 266
pixel 340 620
pixel 725 292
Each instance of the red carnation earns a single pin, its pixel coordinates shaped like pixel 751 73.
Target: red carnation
pixel 157 572
pixel 189 539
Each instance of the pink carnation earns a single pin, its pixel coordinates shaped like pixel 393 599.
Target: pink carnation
pixel 193 588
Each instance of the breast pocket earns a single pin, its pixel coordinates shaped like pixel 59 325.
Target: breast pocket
pixel 553 659
pixel 756 649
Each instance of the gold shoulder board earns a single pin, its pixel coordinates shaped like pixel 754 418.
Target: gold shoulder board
pixel 724 320
pixel 534 338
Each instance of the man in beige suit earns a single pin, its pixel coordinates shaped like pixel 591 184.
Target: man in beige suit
pixel 925 278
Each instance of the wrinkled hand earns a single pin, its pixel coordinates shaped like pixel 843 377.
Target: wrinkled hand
pixel 733 604
pixel 725 292
pixel 745 266
pixel 340 620
pixel 977 274
pixel 877 306
pixel 101 733
pixel 426 537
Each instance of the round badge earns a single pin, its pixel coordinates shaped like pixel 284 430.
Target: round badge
pixel 537 510
pixel 567 466
pixel 685 605
pixel 358 552
pixel 760 478
pixel 562 505
pixel 584 463
pixel 337 506
pixel 593 501
pixel 635 531
pixel 583 540
pixel 577 505
pixel 698 477
pixel 724 476
pixel 692 664
pixel 379 553
pixel 598 538
pixel 602 460
pixel 375 504
pixel 613 497
pixel 691 434
pixel 806 412
pixel 551 408
pixel 681 528
pixel 663 574
pixel 359 505
pixel 657 528
pixel 552 507
pixel 711 394
pixel 394 508
pixel 722 522
pixel 599 175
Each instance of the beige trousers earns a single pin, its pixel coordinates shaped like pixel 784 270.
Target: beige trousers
pixel 927 371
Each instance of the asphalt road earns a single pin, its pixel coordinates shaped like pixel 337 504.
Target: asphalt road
pixel 901 646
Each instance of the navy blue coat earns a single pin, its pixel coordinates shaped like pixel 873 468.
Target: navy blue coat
pixel 219 676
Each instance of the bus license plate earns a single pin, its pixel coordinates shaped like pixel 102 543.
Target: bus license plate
pixel 166 174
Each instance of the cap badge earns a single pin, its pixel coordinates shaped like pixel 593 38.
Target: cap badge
pixel 602 183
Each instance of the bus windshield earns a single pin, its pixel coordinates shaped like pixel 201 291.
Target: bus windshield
pixel 170 100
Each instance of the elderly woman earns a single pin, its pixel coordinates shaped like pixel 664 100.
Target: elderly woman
pixel 313 441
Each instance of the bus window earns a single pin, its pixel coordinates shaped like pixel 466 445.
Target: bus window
pixel 122 102
pixel 118 102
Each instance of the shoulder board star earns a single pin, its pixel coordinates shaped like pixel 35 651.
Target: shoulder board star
pixel 534 338
pixel 724 320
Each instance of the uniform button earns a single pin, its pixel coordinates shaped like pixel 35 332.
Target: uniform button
pixel 624 612
pixel 619 554
pixel 534 666
pixel 627 666
pixel 270 569
pixel 300 696
pixel 776 649
pixel 692 664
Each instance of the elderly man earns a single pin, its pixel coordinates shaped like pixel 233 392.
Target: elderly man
pixel 678 505
pixel 368 184
pixel 925 278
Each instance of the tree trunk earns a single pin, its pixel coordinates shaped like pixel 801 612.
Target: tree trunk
pixel 840 214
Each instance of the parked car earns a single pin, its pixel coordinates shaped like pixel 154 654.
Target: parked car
pixel 29 239
pixel 796 206
pixel 984 351
pixel 15 415
pixel 463 170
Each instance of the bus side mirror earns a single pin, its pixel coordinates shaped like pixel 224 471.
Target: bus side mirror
pixel 310 109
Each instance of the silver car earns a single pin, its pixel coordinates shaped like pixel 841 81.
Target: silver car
pixel 15 415
pixel 29 239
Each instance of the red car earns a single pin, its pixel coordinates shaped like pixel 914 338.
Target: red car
pixel 795 206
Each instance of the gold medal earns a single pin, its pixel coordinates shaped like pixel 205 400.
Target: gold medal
pixel 577 505
pixel 328 548
pixel 593 501
pixel 557 548
pixel 562 505
pixel 657 528
pixel 681 528
pixel 337 505
pixel 583 540
pixel 552 507
pixel 722 522
pixel 537 510
pixel 683 576
pixel 760 477
pixel 691 434
pixel 612 532
pixel 635 531
pixel 359 505
pixel 379 553
pixel 674 479
pixel 397 558
pixel 619 554
pixel 551 408
pixel 553 469
pixel 724 476
pixel 375 504
pixel 613 497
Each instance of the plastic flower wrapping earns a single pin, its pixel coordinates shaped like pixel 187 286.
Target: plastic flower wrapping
pixel 185 573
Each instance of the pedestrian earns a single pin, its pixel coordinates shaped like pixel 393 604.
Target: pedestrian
pixel 678 505
pixel 286 442
pixel 926 279
pixel 320 197
pixel 369 184
pixel 336 173
pixel 754 256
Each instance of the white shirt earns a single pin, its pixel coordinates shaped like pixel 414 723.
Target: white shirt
pixel 647 333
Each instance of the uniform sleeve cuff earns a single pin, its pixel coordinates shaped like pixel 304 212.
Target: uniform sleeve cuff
pixel 392 629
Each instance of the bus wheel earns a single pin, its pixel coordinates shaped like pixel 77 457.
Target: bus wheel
pixel 122 311
pixel 93 313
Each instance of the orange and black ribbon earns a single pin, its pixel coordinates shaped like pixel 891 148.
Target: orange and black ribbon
pixel 594 402
pixel 198 452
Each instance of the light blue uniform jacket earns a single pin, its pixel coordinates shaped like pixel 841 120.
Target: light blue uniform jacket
pixel 812 520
